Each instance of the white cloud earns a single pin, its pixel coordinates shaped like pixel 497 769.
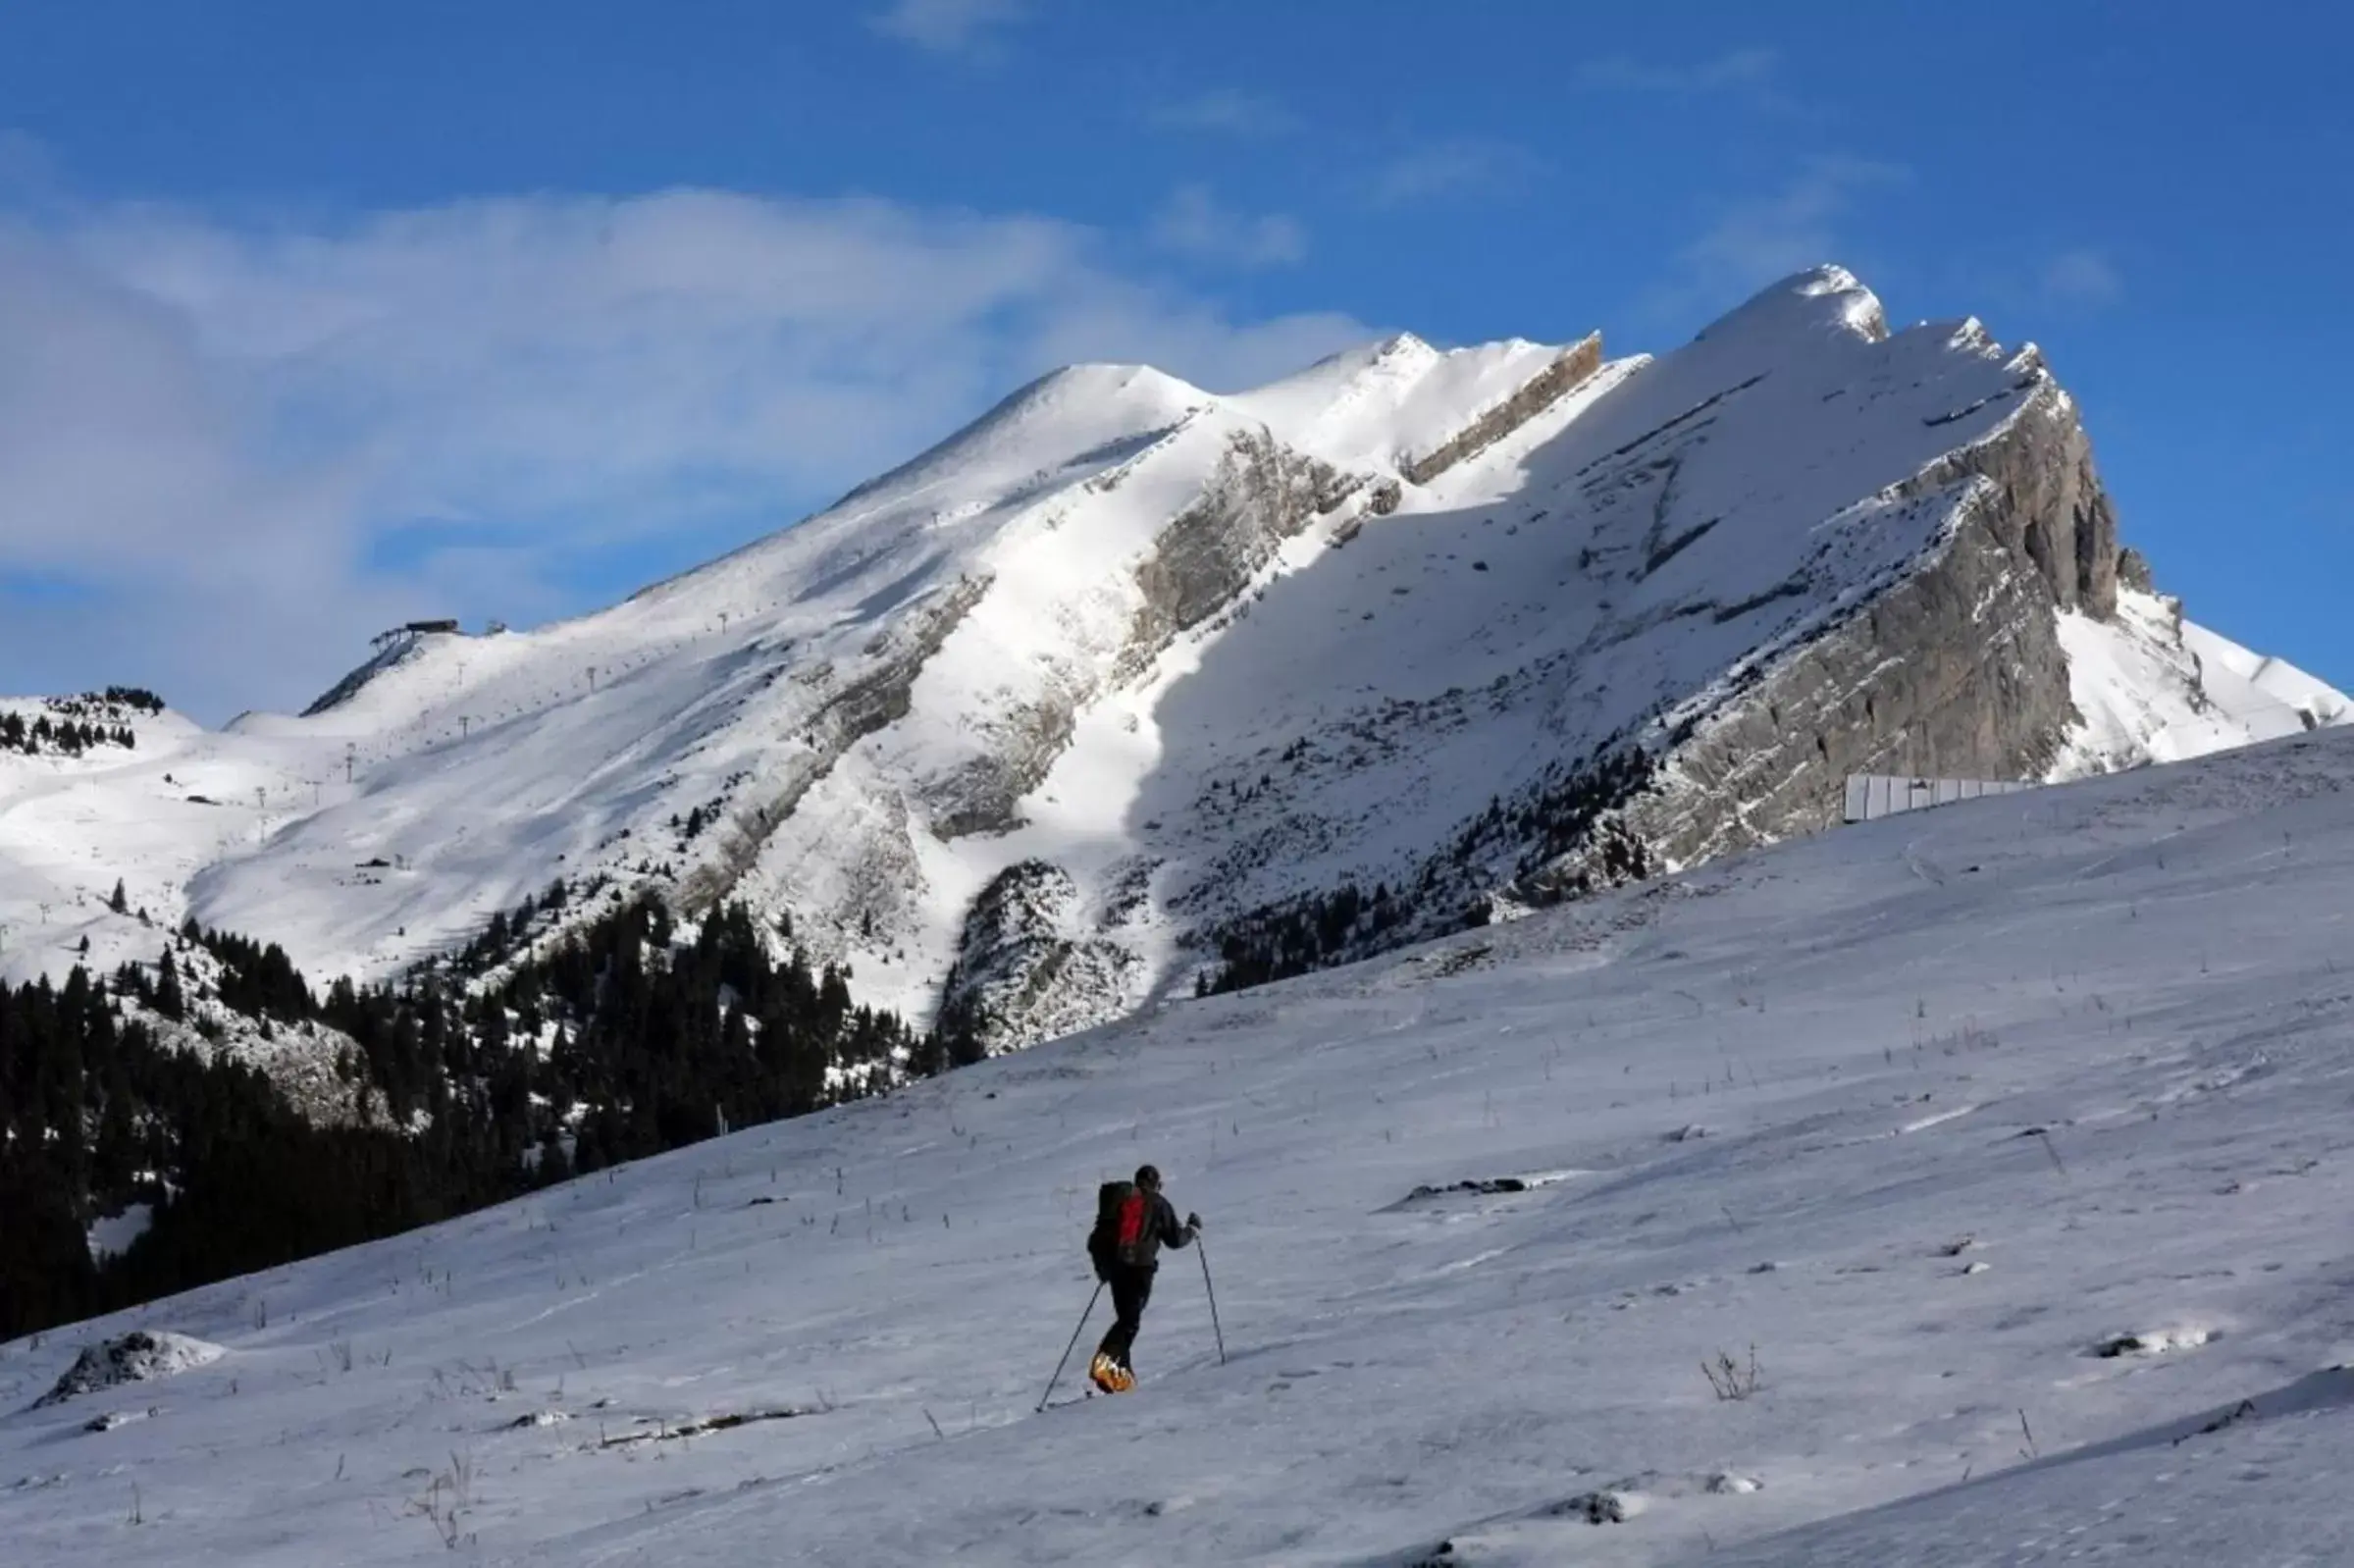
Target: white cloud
pixel 2082 279
pixel 949 26
pixel 1191 223
pixel 1749 70
pixel 1755 241
pixel 1228 112
pixel 242 449
pixel 1460 166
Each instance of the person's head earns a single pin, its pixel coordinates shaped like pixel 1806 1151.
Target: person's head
pixel 1148 1177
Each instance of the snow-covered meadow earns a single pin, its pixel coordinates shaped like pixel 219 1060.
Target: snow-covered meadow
pixel 2011 1138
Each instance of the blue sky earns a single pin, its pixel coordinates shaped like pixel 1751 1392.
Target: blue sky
pixel 315 317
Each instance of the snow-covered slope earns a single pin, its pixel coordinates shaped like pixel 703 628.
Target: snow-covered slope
pixel 2153 687
pixel 1129 674
pixel 2009 1136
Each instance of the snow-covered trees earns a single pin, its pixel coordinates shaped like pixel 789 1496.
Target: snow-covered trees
pixel 628 1038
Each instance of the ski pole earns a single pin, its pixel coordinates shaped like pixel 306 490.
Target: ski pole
pixel 1073 1345
pixel 1204 1254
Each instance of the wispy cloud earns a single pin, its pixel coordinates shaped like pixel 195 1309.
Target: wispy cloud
pixel 2081 279
pixel 241 448
pixel 1227 112
pixel 1758 239
pixel 949 27
pixel 1453 168
pixel 1191 223
pixel 1748 72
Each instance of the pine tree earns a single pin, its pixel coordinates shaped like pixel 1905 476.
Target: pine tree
pixel 117 902
pixel 168 999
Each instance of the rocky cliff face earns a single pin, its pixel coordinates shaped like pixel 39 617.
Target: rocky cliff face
pixel 1261 495
pixel 1952 667
pixel 845 707
pixel 1919 616
pixel 1576 365
pixel 1032 962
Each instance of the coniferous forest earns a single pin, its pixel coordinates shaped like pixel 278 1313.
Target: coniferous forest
pixel 486 1077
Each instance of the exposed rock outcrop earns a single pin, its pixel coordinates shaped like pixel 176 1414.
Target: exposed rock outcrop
pixel 1027 969
pixel 982 795
pixel 2133 571
pixel 1946 663
pixel 1261 495
pixel 1570 369
pixel 139 1356
pixel 1264 494
pixel 848 710
pixel 1953 667
pixel 2049 505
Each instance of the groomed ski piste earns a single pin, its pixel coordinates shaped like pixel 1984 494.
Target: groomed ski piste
pixel 2002 1149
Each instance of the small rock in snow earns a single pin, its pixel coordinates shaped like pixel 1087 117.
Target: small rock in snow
pixel 134 1357
pixel 118 1418
pixel 1605 1506
pixel 2155 1343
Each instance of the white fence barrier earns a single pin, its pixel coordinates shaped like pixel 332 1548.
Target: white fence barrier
pixel 1871 796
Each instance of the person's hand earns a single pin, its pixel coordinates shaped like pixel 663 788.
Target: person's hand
pixel 1194 1223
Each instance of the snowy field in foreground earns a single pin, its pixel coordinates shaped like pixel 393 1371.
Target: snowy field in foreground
pixel 1930 1112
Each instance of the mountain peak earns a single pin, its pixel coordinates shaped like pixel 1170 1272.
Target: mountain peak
pixel 1827 297
pixel 1126 685
pixel 1068 409
pixel 1371 406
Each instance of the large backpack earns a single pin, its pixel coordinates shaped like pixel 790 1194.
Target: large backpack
pixel 1123 1231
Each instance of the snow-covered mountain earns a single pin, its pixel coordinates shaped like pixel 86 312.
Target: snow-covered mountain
pixel 2005 1142
pixel 1129 682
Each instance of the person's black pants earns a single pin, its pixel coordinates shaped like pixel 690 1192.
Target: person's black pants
pixel 1132 1288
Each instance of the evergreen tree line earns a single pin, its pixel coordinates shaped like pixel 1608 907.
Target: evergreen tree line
pixel 137 699
pixel 70 737
pixel 623 1041
pixel 1564 811
pixel 1313 931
